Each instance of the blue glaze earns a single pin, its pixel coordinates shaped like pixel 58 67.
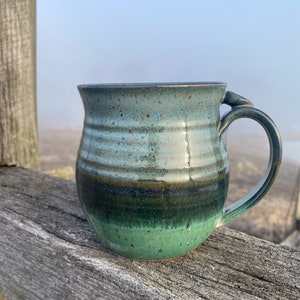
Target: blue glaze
pixel 152 167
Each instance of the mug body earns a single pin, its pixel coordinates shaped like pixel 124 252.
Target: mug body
pixel 152 171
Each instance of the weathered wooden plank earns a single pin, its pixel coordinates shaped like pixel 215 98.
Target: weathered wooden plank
pixel 49 251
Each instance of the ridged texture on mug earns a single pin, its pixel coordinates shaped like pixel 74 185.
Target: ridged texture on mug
pixel 164 136
pixel 152 172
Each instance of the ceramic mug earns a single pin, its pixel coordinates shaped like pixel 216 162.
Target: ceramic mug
pixel 152 168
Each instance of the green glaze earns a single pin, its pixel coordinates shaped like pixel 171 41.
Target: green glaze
pixel 152 168
pixel 150 220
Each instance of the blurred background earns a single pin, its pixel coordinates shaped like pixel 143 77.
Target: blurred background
pixel 253 46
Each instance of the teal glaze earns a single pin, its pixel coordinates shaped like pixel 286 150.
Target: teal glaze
pixel 152 167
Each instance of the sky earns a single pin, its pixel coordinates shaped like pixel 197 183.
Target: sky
pixel 253 46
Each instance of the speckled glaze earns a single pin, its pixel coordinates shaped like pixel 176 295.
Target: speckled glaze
pixel 152 168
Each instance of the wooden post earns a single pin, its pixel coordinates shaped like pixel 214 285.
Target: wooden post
pixel 18 118
pixel 297 216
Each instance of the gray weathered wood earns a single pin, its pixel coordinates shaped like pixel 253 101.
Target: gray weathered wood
pixel 18 124
pixel 48 251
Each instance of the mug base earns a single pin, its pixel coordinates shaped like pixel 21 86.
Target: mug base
pixel 153 243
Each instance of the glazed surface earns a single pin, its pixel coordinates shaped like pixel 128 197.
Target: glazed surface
pixel 152 170
pixel 151 220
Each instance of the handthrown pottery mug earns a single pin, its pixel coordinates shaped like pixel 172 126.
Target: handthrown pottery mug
pixel 152 168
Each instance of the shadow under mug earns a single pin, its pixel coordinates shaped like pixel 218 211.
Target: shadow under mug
pixel 152 168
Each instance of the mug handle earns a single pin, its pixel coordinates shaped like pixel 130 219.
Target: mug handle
pixel 242 108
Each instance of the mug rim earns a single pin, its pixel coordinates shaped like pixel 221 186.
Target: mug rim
pixel 150 85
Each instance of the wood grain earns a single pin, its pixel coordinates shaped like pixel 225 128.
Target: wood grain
pixel 18 119
pixel 48 251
